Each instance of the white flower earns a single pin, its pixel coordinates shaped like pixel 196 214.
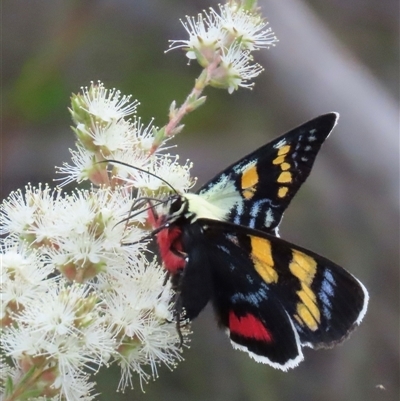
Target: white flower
pixel 137 153
pixel 204 37
pixel 212 33
pixel 163 169
pixel 122 141
pixel 143 136
pixel 160 345
pixel 248 28
pixel 147 337
pixel 24 276
pixel 31 215
pixel 62 318
pixel 107 104
pixel 115 135
pixel 80 232
pixel 65 326
pixel 90 239
pixel 235 70
pixel 75 387
pixel 83 168
pixel 76 286
pixel 133 297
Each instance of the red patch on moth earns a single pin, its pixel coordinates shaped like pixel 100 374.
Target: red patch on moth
pixel 167 239
pixel 249 326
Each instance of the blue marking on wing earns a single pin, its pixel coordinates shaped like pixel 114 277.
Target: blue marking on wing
pixel 255 298
pixel 327 292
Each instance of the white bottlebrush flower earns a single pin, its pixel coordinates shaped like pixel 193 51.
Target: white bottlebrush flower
pixel 80 232
pixel 75 387
pixel 31 215
pixel 24 276
pixel 77 289
pixel 107 104
pixel 141 291
pixel 141 312
pixel 65 327
pixel 160 344
pixel 124 141
pixel 85 167
pixel 235 70
pixel 64 319
pixel 213 33
pixel 248 29
pixel 204 38
pixel 91 240
pixel 137 153
pixel 165 167
pixel 118 134
pixel 143 136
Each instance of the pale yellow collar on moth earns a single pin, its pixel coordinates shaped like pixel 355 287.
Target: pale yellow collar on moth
pixel 215 208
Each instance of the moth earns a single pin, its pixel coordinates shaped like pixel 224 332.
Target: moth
pixel 221 245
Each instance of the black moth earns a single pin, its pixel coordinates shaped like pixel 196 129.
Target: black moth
pixel 221 245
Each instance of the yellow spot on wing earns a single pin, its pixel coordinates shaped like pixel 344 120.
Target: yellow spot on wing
pixel 306 316
pixel 309 300
pixel 249 193
pixel 249 181
pixel 285 176
pixel 249 177
pixel 304 267
pixel 283 150
pixel 282 191
pixel 297 317
pixel 305 294
pixel 279 160
pixel 262 258
pixel 285 166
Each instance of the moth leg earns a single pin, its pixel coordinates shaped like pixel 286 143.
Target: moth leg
pixel 178 307
pixel 178 253
pixel 177 318
pixel 178 327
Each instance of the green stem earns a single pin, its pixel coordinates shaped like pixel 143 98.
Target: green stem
pixel 27 381
pixel 200 84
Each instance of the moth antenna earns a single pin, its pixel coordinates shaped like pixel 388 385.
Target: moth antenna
pixel 142 170
pixel 152 234
pixel 144 199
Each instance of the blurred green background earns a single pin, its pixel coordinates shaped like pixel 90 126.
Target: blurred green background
pixel 333 55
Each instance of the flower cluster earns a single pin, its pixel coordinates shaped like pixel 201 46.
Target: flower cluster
pixel 224 41
pixel 127 141
pixel 79 290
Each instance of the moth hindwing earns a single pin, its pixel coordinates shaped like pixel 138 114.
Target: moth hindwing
pixel 221 245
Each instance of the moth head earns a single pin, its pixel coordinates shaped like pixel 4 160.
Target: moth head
pixel 176 208
pixel 189 208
